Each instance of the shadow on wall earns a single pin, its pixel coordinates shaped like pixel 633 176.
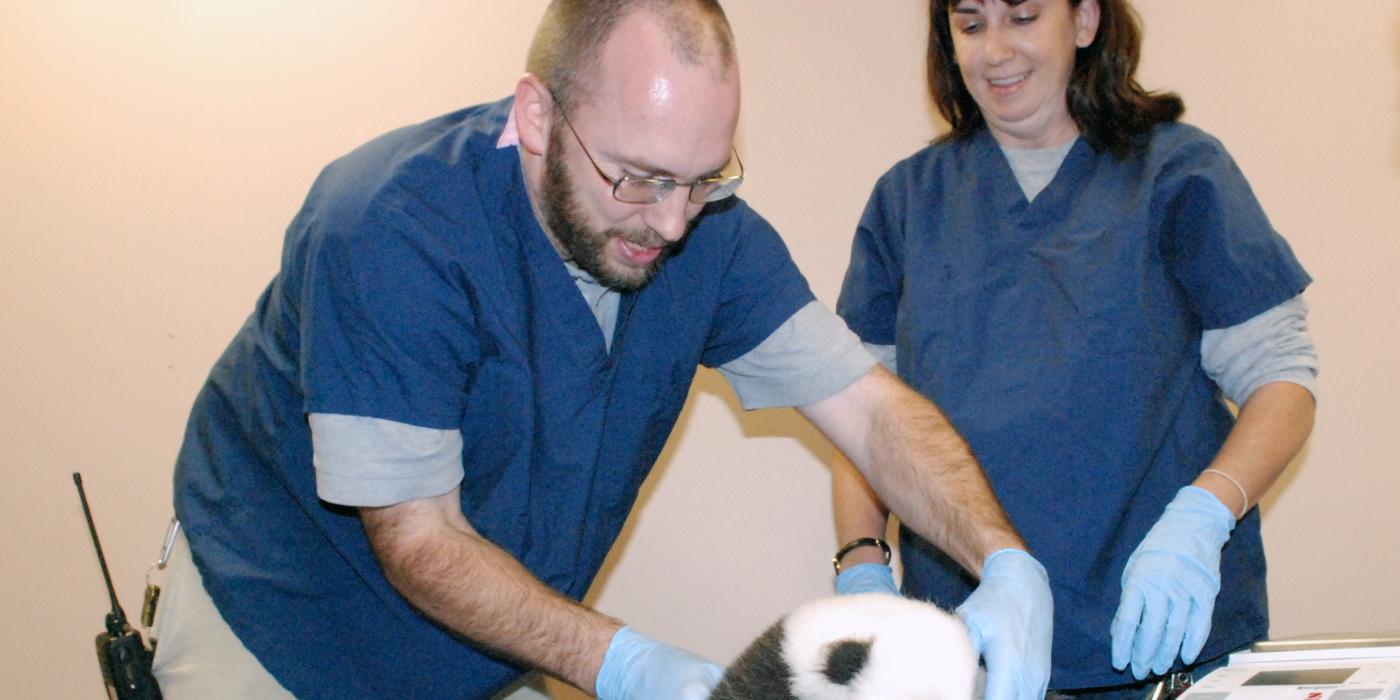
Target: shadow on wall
pixel 766 423
pixel 1395 93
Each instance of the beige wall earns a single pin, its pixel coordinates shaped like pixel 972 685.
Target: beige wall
pixel 153 153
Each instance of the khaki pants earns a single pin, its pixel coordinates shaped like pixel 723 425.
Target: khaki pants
pixel 198 656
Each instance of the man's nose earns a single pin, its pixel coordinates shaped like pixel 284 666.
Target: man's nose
pixel 670 216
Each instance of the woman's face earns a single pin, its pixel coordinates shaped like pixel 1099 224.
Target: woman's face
pixel 1016 59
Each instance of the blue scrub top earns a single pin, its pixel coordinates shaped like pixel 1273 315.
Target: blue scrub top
pixel 1062 338
pixel 416 286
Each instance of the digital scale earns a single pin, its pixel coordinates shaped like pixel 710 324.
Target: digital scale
pixel 1330 667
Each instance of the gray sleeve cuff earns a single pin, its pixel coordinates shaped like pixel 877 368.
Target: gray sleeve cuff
pixel 1272 347
pixel 362 461
pixel 885 355
pixel 811 356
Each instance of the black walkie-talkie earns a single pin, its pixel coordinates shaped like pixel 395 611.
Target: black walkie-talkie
pixel 123 657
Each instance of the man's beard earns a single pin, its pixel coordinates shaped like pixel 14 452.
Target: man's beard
pixel 586 245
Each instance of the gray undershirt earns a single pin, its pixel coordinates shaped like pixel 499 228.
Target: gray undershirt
pixel 602 301
pixel 1036 167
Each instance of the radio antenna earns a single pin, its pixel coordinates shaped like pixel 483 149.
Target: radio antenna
pixel 116 620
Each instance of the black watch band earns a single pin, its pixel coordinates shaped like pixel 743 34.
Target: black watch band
pixel 857 544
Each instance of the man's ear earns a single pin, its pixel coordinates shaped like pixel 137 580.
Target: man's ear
pixel 534 113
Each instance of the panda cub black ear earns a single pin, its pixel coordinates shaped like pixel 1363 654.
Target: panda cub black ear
pixel 845 660
pixel 858 647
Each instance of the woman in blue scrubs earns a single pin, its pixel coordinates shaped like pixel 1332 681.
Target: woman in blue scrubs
pixel 1082 282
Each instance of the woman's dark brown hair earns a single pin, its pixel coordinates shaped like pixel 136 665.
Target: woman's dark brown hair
pixel 1112 111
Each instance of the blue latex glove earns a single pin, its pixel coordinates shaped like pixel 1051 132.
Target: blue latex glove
pixel 1169 585
pixel 637 667
pixel 866 578
pixel 1010 618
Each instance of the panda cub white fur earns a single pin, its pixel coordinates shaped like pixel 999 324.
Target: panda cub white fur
pixel 859 647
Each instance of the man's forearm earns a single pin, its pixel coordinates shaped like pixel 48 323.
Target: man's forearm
pixel 918 465
pixel 444 568
pixel 937 486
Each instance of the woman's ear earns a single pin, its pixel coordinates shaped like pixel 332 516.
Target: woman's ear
pixel 1086 18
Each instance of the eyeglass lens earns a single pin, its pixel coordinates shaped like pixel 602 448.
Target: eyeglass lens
pixel 647 190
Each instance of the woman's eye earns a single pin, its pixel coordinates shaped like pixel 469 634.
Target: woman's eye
pixel 1025 19
pixel 970 27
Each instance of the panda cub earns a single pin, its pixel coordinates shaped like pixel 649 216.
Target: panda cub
pixel 870 646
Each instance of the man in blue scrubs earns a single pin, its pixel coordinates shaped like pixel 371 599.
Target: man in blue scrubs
pixel 408 466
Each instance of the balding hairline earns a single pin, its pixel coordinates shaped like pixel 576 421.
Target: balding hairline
pixel 569 42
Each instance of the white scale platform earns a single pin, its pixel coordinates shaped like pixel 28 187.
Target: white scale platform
pixel 1331 667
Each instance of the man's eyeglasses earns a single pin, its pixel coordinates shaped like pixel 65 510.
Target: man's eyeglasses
pixel 649 190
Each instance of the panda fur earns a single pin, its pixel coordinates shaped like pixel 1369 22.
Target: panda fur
pixel 860 647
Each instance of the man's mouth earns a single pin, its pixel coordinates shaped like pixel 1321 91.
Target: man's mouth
pixel 638 254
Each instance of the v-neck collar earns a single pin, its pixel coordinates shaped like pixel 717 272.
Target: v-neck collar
pixel 564 304
pixel 1000 179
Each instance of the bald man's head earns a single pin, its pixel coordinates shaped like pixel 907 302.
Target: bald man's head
pixel 568 44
